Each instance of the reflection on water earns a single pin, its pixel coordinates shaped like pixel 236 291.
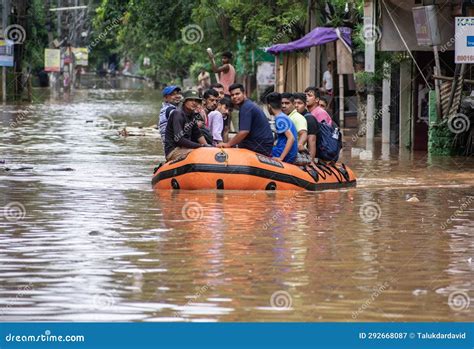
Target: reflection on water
pixel 84 237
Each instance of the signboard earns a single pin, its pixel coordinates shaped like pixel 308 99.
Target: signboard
pixel 52 60
pixel 266 73
pixel 426 25
pixel 81 55
pixel 464 40
pixel 6 53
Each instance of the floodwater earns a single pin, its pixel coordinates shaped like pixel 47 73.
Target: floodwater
pixel 83 237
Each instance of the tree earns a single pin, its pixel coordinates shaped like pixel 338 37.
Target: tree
pixel 174 35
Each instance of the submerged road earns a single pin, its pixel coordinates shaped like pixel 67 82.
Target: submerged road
pixel 83 237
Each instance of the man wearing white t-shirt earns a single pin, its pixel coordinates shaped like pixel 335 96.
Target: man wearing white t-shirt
pixel 327 88
pixel 327 80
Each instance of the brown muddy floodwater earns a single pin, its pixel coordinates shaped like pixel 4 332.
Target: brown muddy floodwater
pixel 84 238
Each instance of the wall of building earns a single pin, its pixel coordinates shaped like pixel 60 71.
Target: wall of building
pixel 403 18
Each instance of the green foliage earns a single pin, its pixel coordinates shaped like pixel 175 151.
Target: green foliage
pixel 36 36
pixel 156 29
pixel 440 140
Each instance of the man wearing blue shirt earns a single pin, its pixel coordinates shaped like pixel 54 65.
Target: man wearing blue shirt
pixel 254 129
pixel 286 147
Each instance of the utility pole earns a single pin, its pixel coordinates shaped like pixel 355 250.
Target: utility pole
pixel 370 27
pixel 57 75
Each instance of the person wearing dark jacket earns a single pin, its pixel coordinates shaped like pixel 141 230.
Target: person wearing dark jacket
pixel 182 132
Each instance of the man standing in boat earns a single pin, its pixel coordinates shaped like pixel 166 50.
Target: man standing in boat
pixel 226 71
pixel 226 78
pixel 254 129
pixel 182 132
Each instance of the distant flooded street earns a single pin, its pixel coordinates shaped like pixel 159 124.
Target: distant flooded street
pixel 83 237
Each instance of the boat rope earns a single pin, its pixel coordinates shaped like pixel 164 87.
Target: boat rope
pixel 222 151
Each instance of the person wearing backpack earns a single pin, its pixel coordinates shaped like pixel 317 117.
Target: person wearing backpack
pixel 328 142
pixel 329 137
pixel 171 98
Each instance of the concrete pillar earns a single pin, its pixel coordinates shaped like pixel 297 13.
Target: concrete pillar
pixel 341 101
pixel 386 103
pixel 369 22
pixel 369 139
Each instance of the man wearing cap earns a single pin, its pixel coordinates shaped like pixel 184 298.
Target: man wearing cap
pixel 182 131
pixel 172 97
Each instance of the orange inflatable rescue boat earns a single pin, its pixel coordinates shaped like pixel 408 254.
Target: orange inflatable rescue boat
pixel 242 169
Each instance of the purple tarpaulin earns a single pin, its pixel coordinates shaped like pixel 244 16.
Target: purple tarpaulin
pixel 317 36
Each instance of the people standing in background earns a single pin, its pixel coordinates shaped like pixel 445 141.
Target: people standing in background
pixel 327 88
pixel 226 71
pixel 171 98
pixel 327 80
pixel 204 80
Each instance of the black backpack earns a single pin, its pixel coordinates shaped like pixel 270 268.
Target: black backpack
pixel 328 142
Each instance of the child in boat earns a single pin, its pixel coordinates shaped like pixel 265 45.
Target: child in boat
pixel 286 147
pixel 216 119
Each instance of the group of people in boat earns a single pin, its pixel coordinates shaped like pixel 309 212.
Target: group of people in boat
pixel 189 120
